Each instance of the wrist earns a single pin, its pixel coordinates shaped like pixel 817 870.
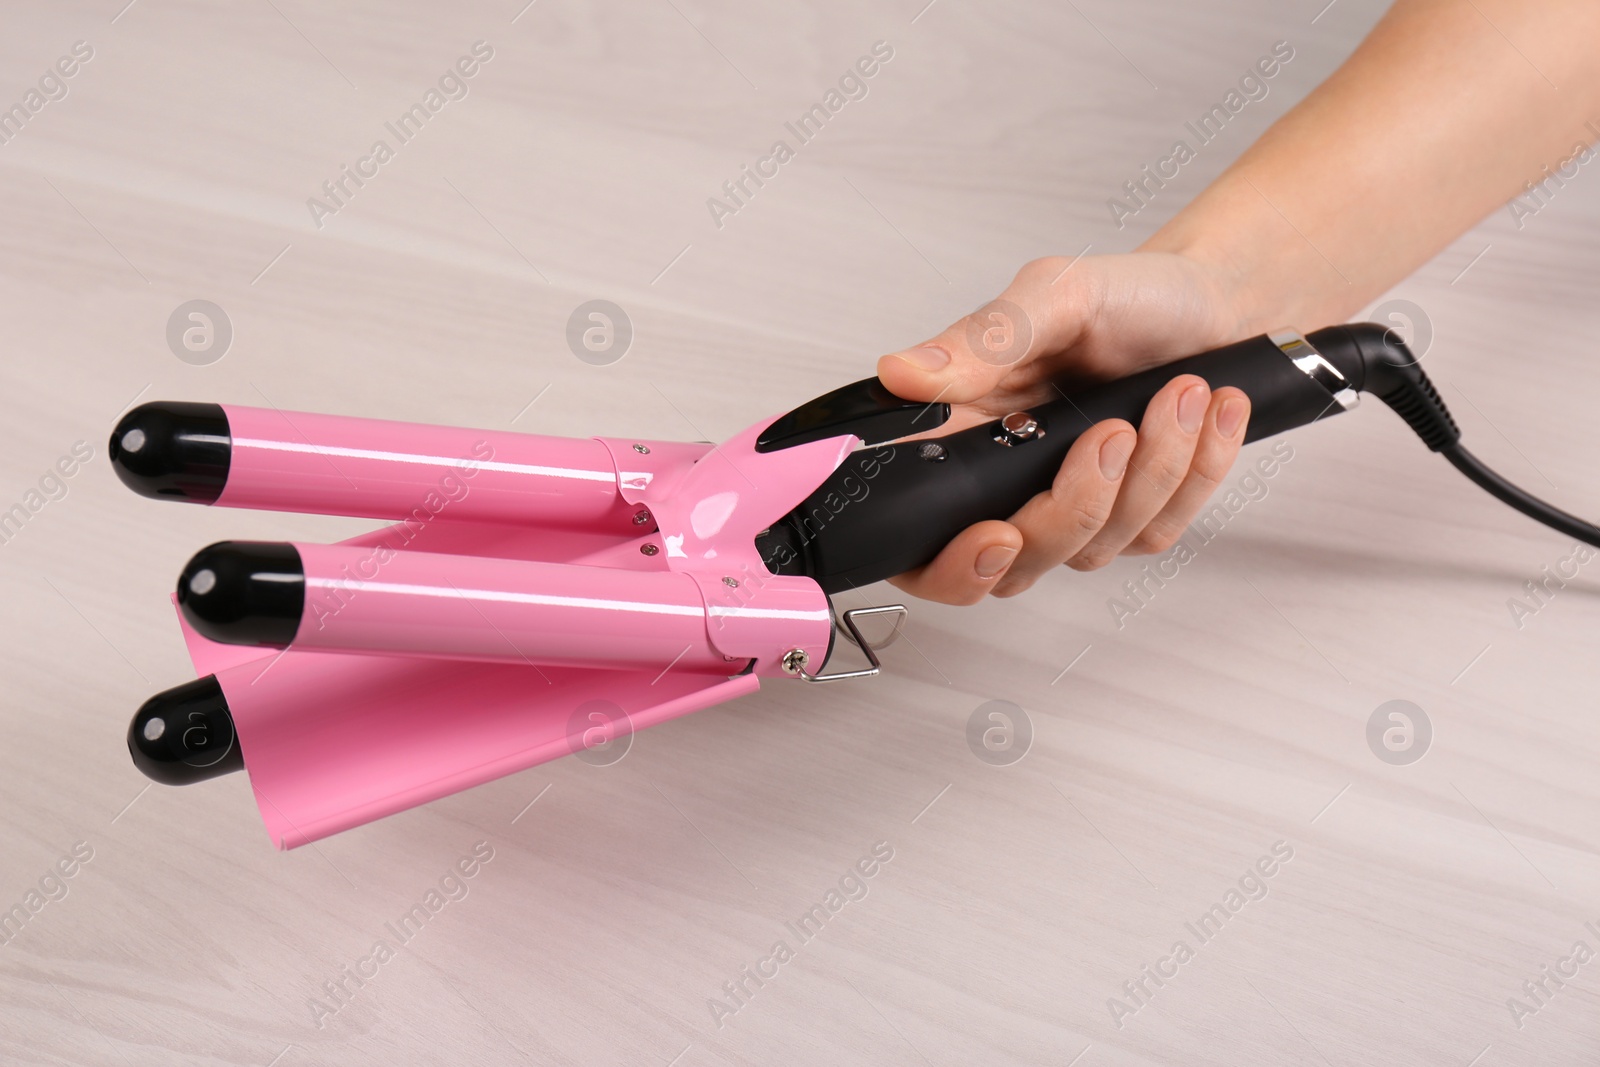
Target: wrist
pixel 1268 274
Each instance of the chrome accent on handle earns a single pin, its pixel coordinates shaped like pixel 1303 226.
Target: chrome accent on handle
pixel 1315 366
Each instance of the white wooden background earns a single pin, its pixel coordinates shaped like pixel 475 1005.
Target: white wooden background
pixel 1228 715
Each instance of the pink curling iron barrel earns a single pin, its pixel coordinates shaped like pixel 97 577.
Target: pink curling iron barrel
pixel 539 596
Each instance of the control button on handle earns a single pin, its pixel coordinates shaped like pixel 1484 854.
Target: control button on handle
pixel 1017 427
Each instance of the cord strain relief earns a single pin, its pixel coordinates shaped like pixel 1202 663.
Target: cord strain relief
pixel 1390 372
pixel 1419 403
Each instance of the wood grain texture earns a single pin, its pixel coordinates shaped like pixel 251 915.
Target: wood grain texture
pixel 1227 715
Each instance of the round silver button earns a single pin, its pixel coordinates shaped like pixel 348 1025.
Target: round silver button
pixel 1020 426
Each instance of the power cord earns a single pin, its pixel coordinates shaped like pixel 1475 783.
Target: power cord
pixel 1376 361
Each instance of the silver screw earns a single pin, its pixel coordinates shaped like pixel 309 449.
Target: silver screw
pixel 641 517
pixel 642 450
pixel 649 550
pixel 731 583
pixel 795 660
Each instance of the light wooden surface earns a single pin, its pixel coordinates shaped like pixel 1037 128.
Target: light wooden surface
pixel 1228 715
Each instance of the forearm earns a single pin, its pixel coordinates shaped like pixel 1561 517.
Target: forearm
pixel 1443 114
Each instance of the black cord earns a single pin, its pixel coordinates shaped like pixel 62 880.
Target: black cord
pixel 1528 504
pixel 1374 360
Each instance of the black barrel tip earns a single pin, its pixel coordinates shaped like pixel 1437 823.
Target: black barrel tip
pixel 172 450
pixel 244 592
pixel 185 735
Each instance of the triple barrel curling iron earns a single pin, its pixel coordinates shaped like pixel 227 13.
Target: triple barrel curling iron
pixel 538 596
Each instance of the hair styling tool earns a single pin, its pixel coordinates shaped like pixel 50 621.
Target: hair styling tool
pixel 538 596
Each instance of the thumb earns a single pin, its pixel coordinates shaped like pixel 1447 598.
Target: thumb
pixel 967 361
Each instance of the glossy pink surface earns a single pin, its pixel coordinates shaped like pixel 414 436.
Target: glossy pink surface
pixel 332 741
pixel 375 468
pixel 510 611
pixel 452 660
pixel 708 516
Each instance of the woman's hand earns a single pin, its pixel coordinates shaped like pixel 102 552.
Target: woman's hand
pixel 1312 223
pixel 1119 490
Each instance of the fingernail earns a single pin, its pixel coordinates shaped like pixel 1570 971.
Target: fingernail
pixel 1114 453
pixel 1230 415
pixel 994 560
pixel 1192 407
pixel 926 357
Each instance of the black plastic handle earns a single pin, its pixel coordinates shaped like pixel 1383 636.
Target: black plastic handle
pixel 891 508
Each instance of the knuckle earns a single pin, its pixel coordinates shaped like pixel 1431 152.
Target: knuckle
pixel 1205 476
pixel 1090 559
pixel 1154 539
pixel 1086 515
pixel 1167 470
